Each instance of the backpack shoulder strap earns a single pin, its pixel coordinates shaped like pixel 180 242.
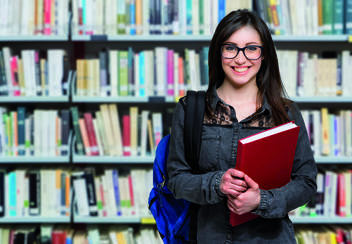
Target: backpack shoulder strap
pixel 194 115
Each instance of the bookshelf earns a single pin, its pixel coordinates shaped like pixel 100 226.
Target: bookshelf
pixel 81 45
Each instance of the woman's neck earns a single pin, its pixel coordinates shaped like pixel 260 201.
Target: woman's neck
pixel 233 95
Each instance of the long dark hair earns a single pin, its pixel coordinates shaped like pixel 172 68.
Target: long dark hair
pixel 268 77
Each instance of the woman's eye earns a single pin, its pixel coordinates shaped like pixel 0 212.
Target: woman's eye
pixel 252 48
pixel 230 48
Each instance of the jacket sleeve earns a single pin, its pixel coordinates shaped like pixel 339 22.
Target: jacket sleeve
pixel 277 203
pixel 197 188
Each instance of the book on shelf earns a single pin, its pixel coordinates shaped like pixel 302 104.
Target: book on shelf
pixel 267 157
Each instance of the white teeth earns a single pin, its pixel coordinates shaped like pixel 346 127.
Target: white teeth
pixel 240 69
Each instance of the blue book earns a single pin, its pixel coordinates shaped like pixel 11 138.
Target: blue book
pixel 189 21
pixel 221 13
pixel 348 17
pixel 338 17
pixel 21 116
pixel 132 17
pixel 142 83
pixel 12 194
pixel 115 179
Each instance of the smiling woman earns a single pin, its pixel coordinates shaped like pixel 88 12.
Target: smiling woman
pixel 245 96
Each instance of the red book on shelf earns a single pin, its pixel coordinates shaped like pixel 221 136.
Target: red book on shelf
pixel 267 158
pixel 126 135
pixel 92 138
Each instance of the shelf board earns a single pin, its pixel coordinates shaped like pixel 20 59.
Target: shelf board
pixel 59 219
pixel 142 38
pixel 101 220
pixel 33 99
pixel 310 38
pixel 112 159
pixel 206 38
pixel 333 160
pixel 34 159
pixel 31 38
pixel 321 220
pixel 122 99
pixel 323 99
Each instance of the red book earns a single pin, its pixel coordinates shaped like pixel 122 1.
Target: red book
pixel 267 158
pixel 126 136
pixel 88 119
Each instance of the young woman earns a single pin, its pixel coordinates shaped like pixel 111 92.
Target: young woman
pixel 245 96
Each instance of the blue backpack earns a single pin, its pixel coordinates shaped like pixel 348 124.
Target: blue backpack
pixel 176 218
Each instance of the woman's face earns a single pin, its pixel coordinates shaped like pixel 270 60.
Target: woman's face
pixel 240 71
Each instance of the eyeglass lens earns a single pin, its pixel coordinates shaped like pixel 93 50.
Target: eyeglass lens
pixel 250 52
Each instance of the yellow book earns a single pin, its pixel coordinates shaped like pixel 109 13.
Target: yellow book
pixel 80 91
pixel 134 130
pixel 21 77
pixel 108 132
pixel 325 131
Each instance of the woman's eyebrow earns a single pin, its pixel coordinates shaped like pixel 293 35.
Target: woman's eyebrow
pixel 248 43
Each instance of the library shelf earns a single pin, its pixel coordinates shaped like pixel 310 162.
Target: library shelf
pixel 321 220
pixel 35 219
pixel 33 38
pixel 35 159
pixel 34 99
pixel 112 160
pixel 142 38
pixel 311 38
pixel 322 99
pixel 122 99
pixel 333 160
pixel 101 220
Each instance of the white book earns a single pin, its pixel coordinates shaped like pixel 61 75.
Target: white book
pixel 44 189
pixel 214 15
pixel 116 129
pixel 81 196
pixel 113 72
pixel 161 70
pixel 38 131
pixel 145 17
pixel 111 192
pixel 55 71
pixel 136 75
pixel 98 136
pixel 150 75
pixel 157 127
pixel 6 52
pixel 195 17
pixel 207 16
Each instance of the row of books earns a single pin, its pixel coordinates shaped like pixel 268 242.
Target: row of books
pixel 157 72
pixel 333 197
pixel 60 234
pixel 328 234
pixel 41 133
pixel 150 16
pixel 103 133
pixel 40 17
pixel 160 72
pixel 112 192
pixel 33 73
pixel 300 17
pixel 330 132
pixel 309 74
pixel 29 192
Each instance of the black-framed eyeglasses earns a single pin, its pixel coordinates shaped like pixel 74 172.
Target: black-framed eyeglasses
pixel 251 52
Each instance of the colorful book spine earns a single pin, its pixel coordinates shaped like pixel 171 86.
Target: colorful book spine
pixel 170 72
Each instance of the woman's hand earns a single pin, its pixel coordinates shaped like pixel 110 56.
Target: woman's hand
pixel 233 183
pixel 246 201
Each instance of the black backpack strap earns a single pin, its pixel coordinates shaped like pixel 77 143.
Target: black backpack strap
pixel 194 115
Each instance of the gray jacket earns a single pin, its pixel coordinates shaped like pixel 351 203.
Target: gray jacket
pixel 220 135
